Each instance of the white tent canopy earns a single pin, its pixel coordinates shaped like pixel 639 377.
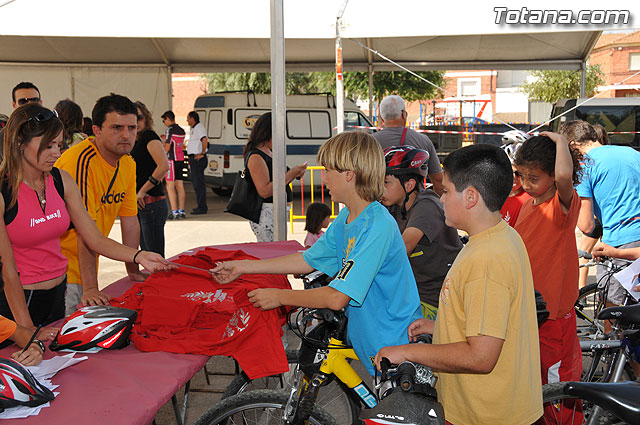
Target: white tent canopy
pixel 82 50
pixel 234 36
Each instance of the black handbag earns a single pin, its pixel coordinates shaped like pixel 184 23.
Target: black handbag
pixel 245 200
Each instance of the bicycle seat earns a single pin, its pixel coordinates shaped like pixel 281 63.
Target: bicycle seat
pixel 619 398
pixel 625 314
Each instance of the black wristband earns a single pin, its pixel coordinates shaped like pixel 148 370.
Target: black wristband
pixel 39 344
pixel 154 180
pixel 136 256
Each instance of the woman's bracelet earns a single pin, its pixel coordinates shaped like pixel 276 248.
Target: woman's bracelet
pixel 154 180
pixel 136 256
pixel 39 343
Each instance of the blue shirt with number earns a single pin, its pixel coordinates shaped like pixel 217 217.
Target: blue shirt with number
pixel 372 267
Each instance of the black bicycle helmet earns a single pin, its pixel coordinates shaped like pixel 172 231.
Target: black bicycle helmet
pixel 403 162
pixel 406 160
pixel 95 326
pixel 18 387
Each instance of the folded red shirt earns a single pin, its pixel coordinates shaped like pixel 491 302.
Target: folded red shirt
pixel 187 311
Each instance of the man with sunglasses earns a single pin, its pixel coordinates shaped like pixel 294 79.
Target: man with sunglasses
pixel 23 93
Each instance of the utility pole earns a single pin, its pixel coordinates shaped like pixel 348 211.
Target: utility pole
pixel 339 82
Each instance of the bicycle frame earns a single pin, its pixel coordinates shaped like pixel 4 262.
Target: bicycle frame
pixel 305 388
pixel 336 363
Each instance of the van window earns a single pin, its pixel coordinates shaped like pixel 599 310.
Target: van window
pixel 210 102
pixel 613 118
pixel 308 125
pixel 352 119
pixel 245 119
pixel 214 129
pixel 298 125
pixel 320 125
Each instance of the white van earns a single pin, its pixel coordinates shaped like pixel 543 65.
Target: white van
pixel 229 118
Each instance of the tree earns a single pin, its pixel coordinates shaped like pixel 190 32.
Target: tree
pixel 550 86
pixel 356 84
pixel 260 82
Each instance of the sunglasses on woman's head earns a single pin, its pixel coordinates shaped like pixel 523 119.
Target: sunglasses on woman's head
pixel 45 115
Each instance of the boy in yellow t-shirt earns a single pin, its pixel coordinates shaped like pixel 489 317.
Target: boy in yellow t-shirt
pixel 485 338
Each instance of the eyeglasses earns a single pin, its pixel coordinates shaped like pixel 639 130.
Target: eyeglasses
pixel 140 117
pixel 45 115
pixel 25 100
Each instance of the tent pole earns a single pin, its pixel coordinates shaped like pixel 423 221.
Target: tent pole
pixel 370 70
pixel 170 88
pixel 278 120
pixel 583 78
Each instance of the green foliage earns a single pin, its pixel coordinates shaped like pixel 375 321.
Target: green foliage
pixel 260 82
pixel 551 85
pixel 356 84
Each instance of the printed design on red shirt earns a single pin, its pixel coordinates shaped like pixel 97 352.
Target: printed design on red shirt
pixel 206 297
pixel 186 311
pixel 239 322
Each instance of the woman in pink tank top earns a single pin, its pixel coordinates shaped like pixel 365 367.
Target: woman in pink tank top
pixel 37 205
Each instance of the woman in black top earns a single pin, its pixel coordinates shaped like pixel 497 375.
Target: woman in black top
pixel 151 168
pixel 257 153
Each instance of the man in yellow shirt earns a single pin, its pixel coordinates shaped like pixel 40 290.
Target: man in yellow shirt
pixel 485 337
pixel 106 177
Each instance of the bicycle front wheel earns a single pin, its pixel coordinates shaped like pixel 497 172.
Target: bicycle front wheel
pixel 560 408
pixel 587 306
pixel 332 397
pixel 260 407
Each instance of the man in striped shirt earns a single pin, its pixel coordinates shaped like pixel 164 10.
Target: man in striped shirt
pixel 106 177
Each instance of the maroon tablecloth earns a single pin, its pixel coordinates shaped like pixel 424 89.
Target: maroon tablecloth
pixel 127 386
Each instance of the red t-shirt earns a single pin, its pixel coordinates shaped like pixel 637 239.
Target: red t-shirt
pixel 549 235
pixel 186 311
pixel 511 208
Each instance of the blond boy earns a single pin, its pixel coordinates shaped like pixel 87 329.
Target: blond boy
pixel 362 248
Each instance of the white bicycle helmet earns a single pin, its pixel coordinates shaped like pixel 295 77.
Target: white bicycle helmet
pixel 512 140
pixel 514 136
pixel 18 387
pixel 95 326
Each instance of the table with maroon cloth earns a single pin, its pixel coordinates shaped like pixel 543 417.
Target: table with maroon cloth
pixel 128 386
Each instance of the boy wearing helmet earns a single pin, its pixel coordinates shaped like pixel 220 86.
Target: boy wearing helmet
pixel 431 245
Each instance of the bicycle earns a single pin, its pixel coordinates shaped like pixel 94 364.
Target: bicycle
pixel 333 397
pixel 568 402
pixel 591 403
pixel 593 297
pixel 610 358
pixel 323 342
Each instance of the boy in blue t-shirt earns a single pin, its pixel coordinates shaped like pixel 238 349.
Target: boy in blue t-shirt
pixel 363 248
